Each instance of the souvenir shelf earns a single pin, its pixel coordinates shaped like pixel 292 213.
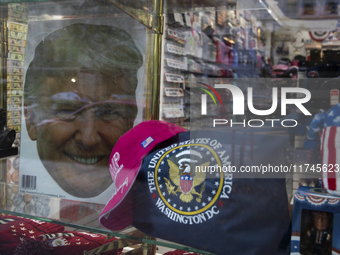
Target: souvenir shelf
pixel 75 215
pixel 190 61
pixel 202 49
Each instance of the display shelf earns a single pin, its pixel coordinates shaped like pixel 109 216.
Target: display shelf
pixel 90 224
pixel 167 86
pixel 204 75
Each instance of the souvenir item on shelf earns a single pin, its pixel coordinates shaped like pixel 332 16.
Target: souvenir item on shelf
pixel 28 236
pixel 315 227
pixel 14 92
pixel 18 13
pixel 172 110
pixel 173 92
pixel 15 78
pixel 15 63
pixel 209 69
pixel 329 125
pixel 221 18
pixel 175 19
pixel 179 19
pixel 207 44
pixel 174 78
pixel 16 49
pixel 103 75
pixel 16 42
pixel 14 70
pixel 194 66
pixel 171 19
pixel 212 52
pixel 193 41
pixel 190 80
pixel 187 19
pixel 125 174
pixel 14 85
pixel 222 52
pixel 230 53
pixel 175 49
pixel 174 35
pixel 176 63
pixel 166 191
pixel 189 46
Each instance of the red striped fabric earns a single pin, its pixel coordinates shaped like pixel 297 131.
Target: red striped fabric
pixel 330 151
pixel 331 158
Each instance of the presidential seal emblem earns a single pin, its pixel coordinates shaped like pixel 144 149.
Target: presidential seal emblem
pixel 181 182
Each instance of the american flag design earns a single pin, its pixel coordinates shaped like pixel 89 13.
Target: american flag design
pixel 330 152
pixel 318 201
pixel 147 142
pixel 299 197
pixel 322 120
pixel 186 183
pixel 333 201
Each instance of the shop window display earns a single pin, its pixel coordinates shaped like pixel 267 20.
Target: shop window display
pixel 251 86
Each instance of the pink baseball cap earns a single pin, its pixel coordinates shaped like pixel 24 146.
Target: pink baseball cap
pixel 125 162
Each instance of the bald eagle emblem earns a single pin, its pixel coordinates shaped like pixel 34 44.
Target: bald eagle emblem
pixel 184 181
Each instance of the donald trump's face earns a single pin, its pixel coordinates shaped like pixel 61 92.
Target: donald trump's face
pixel 79 98
pixel 76 125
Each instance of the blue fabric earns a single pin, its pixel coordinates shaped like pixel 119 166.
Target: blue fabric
pixel 321 120
pixel 316 126
pixel 235 61
pixel 220 214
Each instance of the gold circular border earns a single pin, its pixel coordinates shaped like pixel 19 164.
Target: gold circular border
pixel 212 201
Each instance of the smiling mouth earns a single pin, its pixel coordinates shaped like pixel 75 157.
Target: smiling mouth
pixel 87 160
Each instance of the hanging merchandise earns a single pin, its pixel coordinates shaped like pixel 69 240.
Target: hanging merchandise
pixel 174 35
pixel 221 18
pixel 208 48
pixel 194 44
pixel 189 46
pixel 15 63
pixel 222 52
pixel 235 60
pixel 230 52
pixel 179 19
pixel 175 19
pixel 173 109
pixel 187 19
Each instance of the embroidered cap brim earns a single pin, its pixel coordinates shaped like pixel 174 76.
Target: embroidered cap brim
pixel 125 162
